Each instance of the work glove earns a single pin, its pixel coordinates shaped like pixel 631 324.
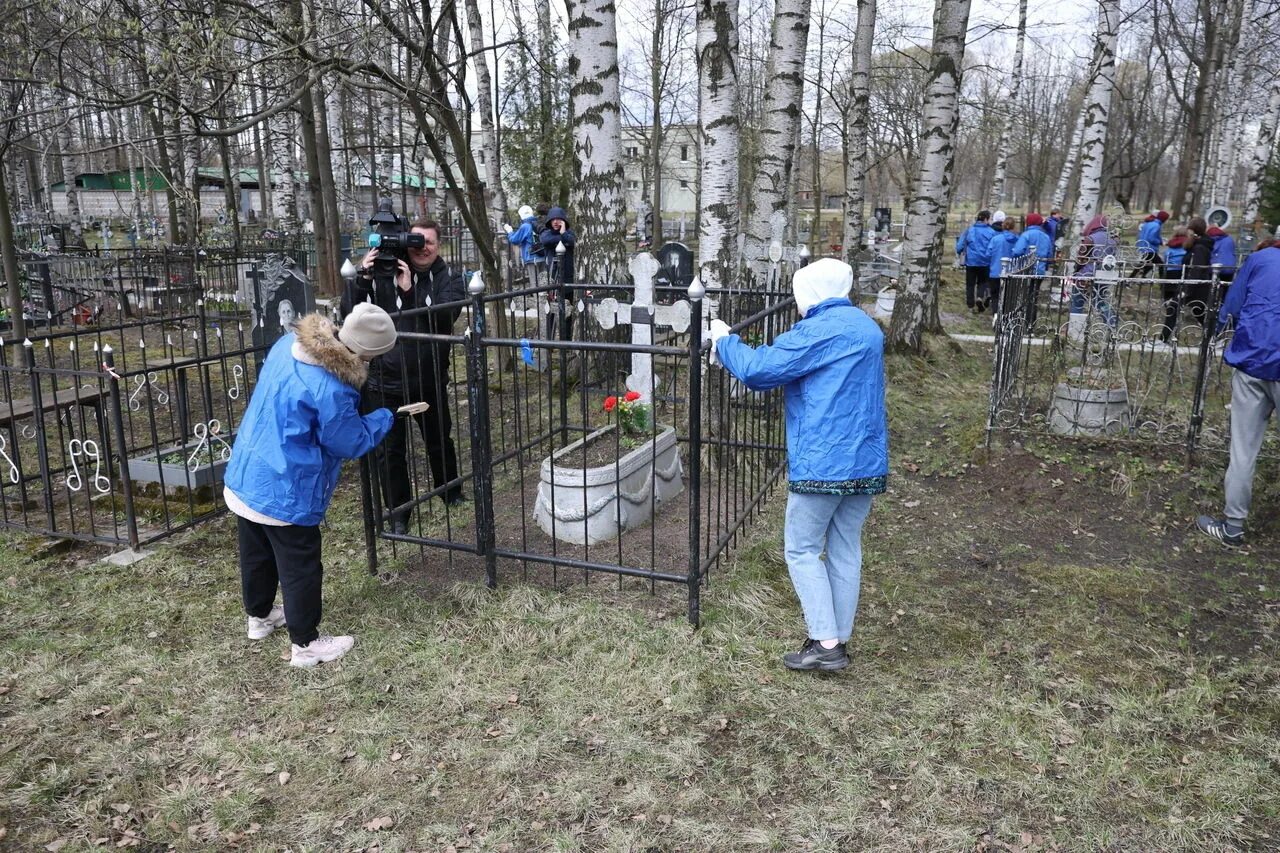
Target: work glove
pixel 719 328
pixel 507 227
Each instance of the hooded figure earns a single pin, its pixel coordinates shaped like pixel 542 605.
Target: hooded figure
pixel 1035 239
pixel 830 365
pixel 555 233
pixel 524 236
pixel 1224 253
pixel 303 420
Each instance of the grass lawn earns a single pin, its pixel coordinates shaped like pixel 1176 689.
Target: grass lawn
pixel 1046 657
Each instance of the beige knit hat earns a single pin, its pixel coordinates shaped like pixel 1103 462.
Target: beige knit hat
pixel 368 330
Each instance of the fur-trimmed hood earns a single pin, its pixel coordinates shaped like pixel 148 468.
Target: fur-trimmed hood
pixel 317 343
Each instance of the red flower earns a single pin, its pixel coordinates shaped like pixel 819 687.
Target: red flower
pixel 610 403
pixel 632 396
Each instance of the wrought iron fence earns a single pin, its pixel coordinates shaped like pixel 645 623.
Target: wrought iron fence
pixel 566 477
pixel 1113 356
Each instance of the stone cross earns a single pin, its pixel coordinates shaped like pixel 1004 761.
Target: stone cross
pixel 642 315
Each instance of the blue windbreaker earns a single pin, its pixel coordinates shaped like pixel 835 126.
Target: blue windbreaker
pixel 303 420
pixel 974 245
pixel 1051 228
pixel 1149 239
pixel 524 238
pixel 1035 239
pixel 831 367
pixel 1224 251
pixel 1000 247
pixel 1254 301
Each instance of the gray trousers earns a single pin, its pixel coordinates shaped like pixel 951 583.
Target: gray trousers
pixel 1252 402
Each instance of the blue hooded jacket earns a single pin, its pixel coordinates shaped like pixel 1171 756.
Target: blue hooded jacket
pixel 1149 239
pixel 1051 226
pixel 549 238
pixel 1000 247
pixel 1224 251
pixel 1036 239
pixel 303 420
pixel 1254 301
pixel 831 367
pixel 974 245
pixel 524 238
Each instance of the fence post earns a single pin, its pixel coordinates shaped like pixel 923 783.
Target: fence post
pixel 1202 369
pixel 560 335
pixel 42 447
pixel 117 423
pixel 366 504
pixel 481 450
pixel 696 293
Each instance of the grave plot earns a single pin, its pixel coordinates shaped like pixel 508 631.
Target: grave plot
pixel 618 452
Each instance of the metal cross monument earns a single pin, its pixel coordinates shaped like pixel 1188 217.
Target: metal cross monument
pixel 643 315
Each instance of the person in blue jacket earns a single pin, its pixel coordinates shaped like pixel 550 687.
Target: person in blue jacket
pixel 1175 260
pixel 1035 239
pixel 1001 247
pixel 1149 243
pixel 830 366
pixel 303 420
pixel 1053 225
pixel 524 239
pixel 554 234
pixel 1253 303
pixel 971 247
pixel 1223 255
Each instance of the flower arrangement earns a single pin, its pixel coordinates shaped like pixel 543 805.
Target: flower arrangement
pixel 633 416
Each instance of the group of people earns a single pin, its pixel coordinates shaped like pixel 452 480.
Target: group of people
pixel 985 246
pixel 546 242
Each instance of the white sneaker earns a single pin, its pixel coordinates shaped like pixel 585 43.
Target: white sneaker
pixel 261 628
pixel 321 650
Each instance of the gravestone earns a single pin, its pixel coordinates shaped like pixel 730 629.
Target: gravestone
pixel 643 315
pixel 281 296
pixel 675 265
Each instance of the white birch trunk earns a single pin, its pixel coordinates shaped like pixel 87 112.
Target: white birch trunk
pixel 767 203
pixel 1230 150
pixel 1004 146
pixel 916 309
pixel 191 158
pixel 484 103
pixel 597 194
pixel 71 168
pixel 282 158
pixel 1261 155
pixel 1069 165
pixel 338 143
pixel 858 121
pixel 1097 115
pixel 718 132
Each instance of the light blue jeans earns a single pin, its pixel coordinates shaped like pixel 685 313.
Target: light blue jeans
pixel 822 542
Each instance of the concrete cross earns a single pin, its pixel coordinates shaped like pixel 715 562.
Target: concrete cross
pixel 642 315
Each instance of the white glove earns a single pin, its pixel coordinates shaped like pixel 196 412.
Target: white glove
pixel 508 228
pixel 719 328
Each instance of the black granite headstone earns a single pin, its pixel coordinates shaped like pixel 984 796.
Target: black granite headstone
pixel 675 265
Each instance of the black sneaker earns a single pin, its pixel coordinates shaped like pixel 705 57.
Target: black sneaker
pixel 1216 528
pixel 813 656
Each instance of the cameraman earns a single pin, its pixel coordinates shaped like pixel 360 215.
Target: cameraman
pixel 414 371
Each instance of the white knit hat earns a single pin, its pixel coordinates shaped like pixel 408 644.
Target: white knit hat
pixel 368 330
pixel 525 211
pixel 998 216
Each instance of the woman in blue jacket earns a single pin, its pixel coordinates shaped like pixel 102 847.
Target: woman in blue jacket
pixel 303 420
pixel 1000 248
pixel 831 368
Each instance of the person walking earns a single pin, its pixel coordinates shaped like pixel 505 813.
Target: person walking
pixel 1198 294
pixel 831 368
pixel 1149 243
pixel 525 238
pixel 303 420
pixel 1097 248
pixel 972 247
pixel 1000 248
pixel 1171 288
pixel 1035 240
pixel 1253 305
pixel 425 297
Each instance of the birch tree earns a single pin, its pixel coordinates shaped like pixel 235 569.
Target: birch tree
pixel 1003 146
pixel 597 131
pixel 916 309
pixel 1261 155
pixel 1097 115
pixel 717 45
pixel 857 122
pixel 484 100
pixel 1069 164
pixel 765 219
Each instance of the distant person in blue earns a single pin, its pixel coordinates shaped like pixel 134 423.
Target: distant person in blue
pixel 1175 259
pixel 525 238
pixel 1053 225
pixel 303 420
pixel 972 247
pixel 1223 256
pixel 1000 249
pixel 830 366
pixel 1035 240
pixel 1253 305
pixel 1149 243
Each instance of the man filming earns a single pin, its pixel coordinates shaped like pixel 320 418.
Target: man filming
pixel 413 371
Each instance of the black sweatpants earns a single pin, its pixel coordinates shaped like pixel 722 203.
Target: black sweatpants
pixel 975 284
pixel 288 557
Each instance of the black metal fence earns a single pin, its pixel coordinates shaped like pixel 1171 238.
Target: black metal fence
pixel 1113 357
pixel 565 477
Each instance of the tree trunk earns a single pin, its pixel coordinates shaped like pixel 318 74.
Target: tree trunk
pixel 717 40
pixel 326 277
pixel 655 136
pixel 598 200
pixel 484 103
pixel 1005 146
pixel 550 191
pixel 1261 155
pixel 1097 116
pixel 10 258
pixel 765 220
pixel 1229 147
pixel 71 168
pixel 815 230
pixel 1073 157
pixel 858 120
pixel 282 159
pixel 916 309
pixel 328 189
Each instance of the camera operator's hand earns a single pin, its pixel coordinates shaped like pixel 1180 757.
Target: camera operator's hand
pixel 404 277
pixel 369 257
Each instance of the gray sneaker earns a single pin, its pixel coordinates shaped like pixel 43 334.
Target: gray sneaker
pixel 321 650
pixel 813 656
pixel 260 629
pixel 1215 528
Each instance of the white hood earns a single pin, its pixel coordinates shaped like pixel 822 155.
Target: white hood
pixel 821 280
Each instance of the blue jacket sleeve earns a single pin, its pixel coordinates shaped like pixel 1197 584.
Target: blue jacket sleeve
pixel 1021 247
pixel 1236 293
pixel 766 367
pixel 347 434
pixel 522 235
pixel 962 241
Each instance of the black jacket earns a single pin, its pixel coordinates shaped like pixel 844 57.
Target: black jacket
pixel 414 370
pixel 1198 263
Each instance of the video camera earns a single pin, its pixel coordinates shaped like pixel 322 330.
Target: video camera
pixel 392 238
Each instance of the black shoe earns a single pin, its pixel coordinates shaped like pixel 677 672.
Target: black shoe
pixel 458 497
pixel 1217 529
pixel 400 526
pixel 813 656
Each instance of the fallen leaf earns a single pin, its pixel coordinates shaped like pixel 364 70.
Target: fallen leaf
pixel 395 756
pixel 284 777
pixel 55 846
pixel 135 680
pixel 379 823
pixel 123 808
pixel 911 504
